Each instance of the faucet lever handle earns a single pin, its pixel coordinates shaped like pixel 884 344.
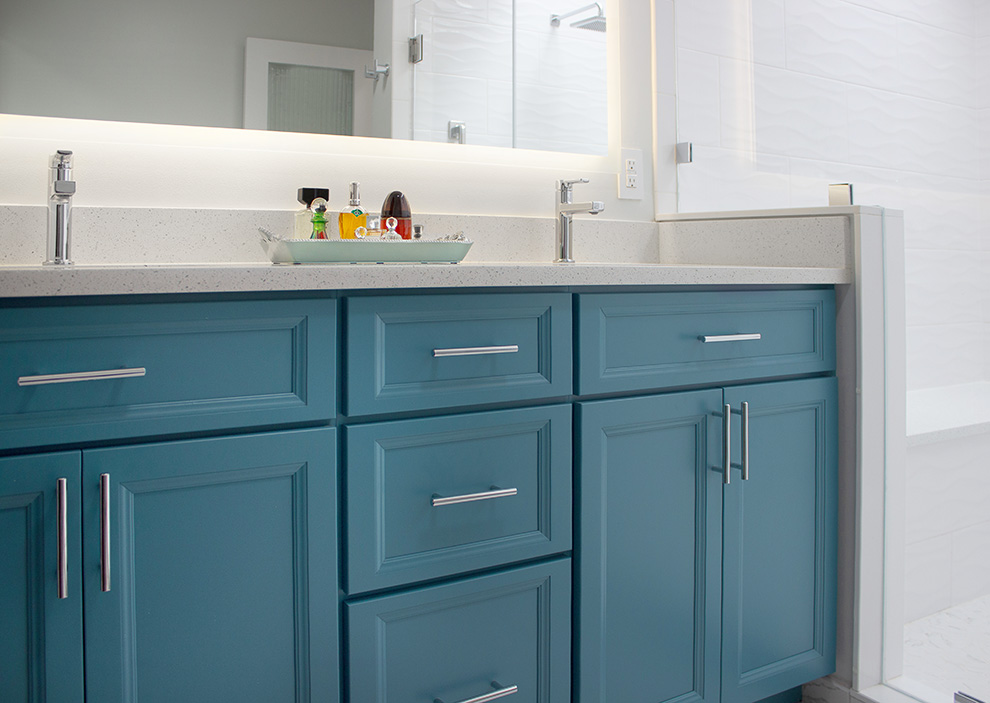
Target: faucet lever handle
pixel 568 184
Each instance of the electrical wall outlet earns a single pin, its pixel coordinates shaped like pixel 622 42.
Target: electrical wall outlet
pixel 631 176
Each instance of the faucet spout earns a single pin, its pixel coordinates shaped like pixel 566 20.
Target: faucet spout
pixel 61 188
pixel 566 209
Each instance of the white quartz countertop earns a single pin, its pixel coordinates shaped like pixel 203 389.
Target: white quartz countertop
pixel 44 281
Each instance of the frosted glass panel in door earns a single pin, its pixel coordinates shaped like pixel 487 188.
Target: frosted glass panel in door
pixel 310 99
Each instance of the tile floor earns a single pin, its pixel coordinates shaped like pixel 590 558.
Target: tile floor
pixel 950 650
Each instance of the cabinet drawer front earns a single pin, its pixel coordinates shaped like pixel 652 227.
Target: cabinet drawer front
pixel 461 640
pixel 77 373
pixel 439 496
pixel 631 341
pixel 416 352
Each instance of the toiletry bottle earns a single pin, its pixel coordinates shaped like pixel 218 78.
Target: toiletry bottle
pixel 352 216
pixel 397 206
pixel 319 220
pixel 302 226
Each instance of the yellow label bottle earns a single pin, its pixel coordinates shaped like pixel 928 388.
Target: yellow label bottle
pixel 352 216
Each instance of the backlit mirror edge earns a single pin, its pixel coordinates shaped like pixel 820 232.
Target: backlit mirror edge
pixel 629 126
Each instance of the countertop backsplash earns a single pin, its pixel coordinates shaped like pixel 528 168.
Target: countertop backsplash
pixel 142 236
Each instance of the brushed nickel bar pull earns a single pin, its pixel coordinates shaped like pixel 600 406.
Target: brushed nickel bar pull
pixel 476 351
pixel 50 378
pixel 726 444
pixel 709 338
pixel 104 532
pixel 495 492
pixel 501 692
pixel 61 510
pixel 744 446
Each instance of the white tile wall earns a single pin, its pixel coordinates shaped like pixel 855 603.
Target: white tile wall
pixel 783 97
pixel 891 95
pixel 928 577
pixel 474 50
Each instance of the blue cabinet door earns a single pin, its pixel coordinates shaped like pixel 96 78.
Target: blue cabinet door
pixel 40 634
pixel 779 541
pixel 648 549
pixel 222 571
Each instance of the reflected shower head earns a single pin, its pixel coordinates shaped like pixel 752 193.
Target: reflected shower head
pixel 595 23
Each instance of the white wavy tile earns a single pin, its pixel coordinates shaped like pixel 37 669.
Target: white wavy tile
pixel 800 115
pixel 534 15
pixel 941 219
pixel 665 46
pixel 944 355
pixel 721 179
pixel 769 35
pixel 698 117
pixel 955 15
pixel 499 110
pixel 913 134
pixel 500 12
pixel 971 563
pixel 565 59
pixel 927 577
pixel 552 114
pixel 441 98
pixel 834 39
pixel 470 49
pixel 458 9
pixel 737 104
pixel 943 287
pixel 936 63
pixel 722 27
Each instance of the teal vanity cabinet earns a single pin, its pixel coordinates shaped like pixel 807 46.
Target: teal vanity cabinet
pixel 457 498
pixel 41 626
pixel 697 582
pixel 201 569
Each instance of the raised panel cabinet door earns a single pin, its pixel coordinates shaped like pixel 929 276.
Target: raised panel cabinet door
pixel 779 541
pixel 222 581
pixel 648 549
pixel 40 633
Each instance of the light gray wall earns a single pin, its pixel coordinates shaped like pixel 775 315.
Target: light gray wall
pixel 163 61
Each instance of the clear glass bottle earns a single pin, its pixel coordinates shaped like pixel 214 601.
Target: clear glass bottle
pixel 302 227
pixel 352 216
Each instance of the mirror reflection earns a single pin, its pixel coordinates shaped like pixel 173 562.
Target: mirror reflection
pixel 525 74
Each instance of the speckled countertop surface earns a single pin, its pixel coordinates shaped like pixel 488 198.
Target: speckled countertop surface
pixel 43 281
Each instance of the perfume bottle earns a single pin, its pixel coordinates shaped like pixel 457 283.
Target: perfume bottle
pixel 319 219
pixel 352 216
pixel 397 206
pixel 302 226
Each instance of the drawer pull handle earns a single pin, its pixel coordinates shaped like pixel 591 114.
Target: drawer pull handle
pixel 495 492
pixel 49 378
pixel 749 337
pixel 104 532
pixel 500 692
pixel 61 509
pixel 744 447
pixel 476 351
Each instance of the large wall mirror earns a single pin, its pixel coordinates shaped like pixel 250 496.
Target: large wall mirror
pixel 510 73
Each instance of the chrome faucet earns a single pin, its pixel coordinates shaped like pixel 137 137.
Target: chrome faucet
pixel 566 209
pixel 61 188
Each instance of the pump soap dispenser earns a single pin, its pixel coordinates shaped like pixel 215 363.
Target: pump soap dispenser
pixel 352 216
